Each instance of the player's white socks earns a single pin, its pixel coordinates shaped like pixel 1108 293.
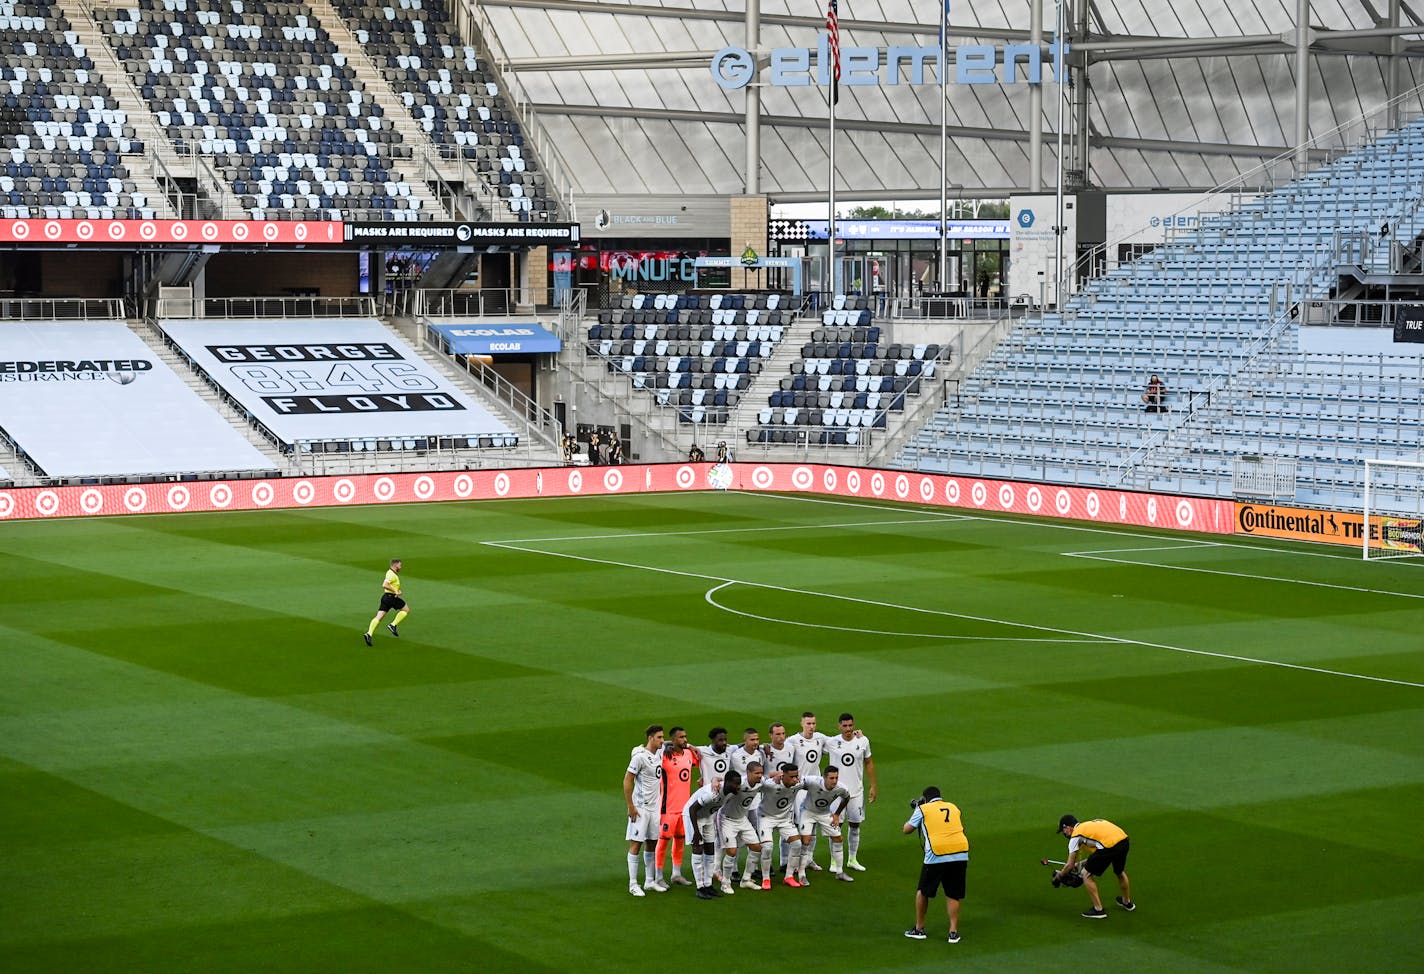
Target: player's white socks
pixel 729 866
pixel 649 867
pixel 766 861
pixel 783 852
pixel 808 854
pixel 837 851
pixel 633 868
pixel 853 843
pixel 795 865
pixel 699 870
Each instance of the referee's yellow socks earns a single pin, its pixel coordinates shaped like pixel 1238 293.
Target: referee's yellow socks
pixel 399 616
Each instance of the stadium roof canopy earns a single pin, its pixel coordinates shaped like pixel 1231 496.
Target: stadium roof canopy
pixel 1179 95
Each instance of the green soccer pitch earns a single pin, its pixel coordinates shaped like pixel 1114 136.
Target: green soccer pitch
pixel 205 769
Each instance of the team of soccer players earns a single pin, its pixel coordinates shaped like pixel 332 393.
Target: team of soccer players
pixel 749 797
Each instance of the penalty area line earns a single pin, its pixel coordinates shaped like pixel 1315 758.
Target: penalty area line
pixel 957 615
pixel 1100 556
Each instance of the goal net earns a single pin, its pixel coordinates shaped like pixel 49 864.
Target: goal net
pixel 1394 509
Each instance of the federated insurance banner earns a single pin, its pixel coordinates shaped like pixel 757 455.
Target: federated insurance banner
pixel 1077 503
pixel 1329 527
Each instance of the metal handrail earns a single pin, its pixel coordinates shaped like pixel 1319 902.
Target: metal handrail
pixel 539 421
pixel 464 304
pixel 61 309
pixel 264 307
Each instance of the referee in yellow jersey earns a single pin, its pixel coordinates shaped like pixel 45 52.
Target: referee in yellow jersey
pixel 1106 845
pixel 390 600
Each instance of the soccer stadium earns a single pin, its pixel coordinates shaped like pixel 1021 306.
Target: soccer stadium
pixel 756 428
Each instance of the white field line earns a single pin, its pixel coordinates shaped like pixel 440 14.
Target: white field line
pixel 1101 556
pixel 877 632
pixel 954 615
pixel 759 529
pixel 1349 553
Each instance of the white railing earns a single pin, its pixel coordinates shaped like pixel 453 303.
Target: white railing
pixel 1264 478
pixel 61 309
pixel 265 307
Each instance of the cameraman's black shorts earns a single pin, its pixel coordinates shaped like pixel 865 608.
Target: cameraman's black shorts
pixel 949 875
pixel 1115 856
pixel 389 602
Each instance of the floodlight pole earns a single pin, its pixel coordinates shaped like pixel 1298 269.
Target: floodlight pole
pixel 944 148
pixel 1058 220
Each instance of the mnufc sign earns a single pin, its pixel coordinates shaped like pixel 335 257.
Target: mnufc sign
pixel 974 64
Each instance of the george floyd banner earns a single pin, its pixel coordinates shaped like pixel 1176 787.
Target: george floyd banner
pixel 1409 323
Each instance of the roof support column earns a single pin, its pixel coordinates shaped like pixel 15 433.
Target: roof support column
pixel 1396 64
pixel 752 182
pixel 1303 37
pixel 1035 104
pixel 1080 95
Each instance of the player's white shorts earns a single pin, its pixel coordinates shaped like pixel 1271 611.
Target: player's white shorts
pixel 705 830
pixel 738 832
pixel 644 828
pixel 812 824
pixel 854 812
pixel 772 827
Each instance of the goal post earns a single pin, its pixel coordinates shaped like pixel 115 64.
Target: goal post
pixel 1394 509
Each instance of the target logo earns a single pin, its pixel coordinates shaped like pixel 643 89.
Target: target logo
pixel 300 230
pixel 262 493
pixel 117 231
pixel 1062 503
pixel 1006 496
pixel 1152 510
pixel 951 491
pixel 91 501
pixel 802 478
pixel 209 231
pixel 303 492
pixel 344 491
pixel 220 495
pixel 978 494
pixel 424 488
pixel 178 498
pixel 269 231
pixel 52 230
pixel 829 480
pixel 686 477
pixel 926 489
pixel 501 484
pixel 613 480
pixel 135 499
pixel 47 503
pixel 179 231
pixel 147 230
pixel 239 231
pixel 1093 504
pixel 7 505
pixel 902 486
pixel 384 488
pixel 85 230
pixel 763 478
pixel 575 481
pixel 877 484
pixel 20 230
pixel 1185 514
pixel 1035 499
pixel 464 485
pixel 1122 507
pixel 853 481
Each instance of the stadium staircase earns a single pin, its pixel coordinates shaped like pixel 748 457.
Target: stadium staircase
pixel 1060 399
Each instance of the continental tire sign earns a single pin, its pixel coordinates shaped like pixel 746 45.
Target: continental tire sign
pixel 1300 524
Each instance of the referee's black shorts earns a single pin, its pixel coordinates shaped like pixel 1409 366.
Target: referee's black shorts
pixel 947 875
pixel 1115 856
pixel 389 602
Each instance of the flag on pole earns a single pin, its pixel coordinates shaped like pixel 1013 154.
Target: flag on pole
pixel 833 27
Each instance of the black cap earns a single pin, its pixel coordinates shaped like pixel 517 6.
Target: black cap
pixel 1066 820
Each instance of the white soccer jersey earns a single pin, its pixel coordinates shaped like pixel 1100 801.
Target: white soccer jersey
pixel 646 767
pixel 809 752
pixel 849 756
pixel 741 757
pixel 822 800
pixel 714 766
pixel 744 801
pixel 775 757
pixel 777 800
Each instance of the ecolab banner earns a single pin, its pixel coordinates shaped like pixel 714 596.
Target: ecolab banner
pixel 1080 503
pixel 310 232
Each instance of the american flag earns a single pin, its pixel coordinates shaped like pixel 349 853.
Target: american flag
pixel 833 26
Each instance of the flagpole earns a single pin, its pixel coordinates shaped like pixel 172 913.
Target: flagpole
pixel 943 149
pixel 831 194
